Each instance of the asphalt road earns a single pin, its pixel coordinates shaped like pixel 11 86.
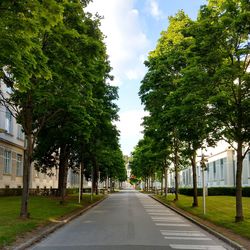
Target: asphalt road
pixel 134 221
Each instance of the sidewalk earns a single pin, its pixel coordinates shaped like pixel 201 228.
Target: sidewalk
pixel 235 240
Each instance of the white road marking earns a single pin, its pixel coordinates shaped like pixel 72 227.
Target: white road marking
pixel 160 214
pixel 185 238
pixel 169 219
pixel 156 210
pixel 165 218
pixel 176 233
pixel 173 225
pixel 196 247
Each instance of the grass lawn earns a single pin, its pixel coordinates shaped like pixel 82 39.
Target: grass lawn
pixel 219 209
pixel 42 211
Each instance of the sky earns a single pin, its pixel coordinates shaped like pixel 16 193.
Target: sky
pixel 132 29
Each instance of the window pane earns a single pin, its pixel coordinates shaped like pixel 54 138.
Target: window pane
pixel 7 162
pixel 19 166
pixel 8 121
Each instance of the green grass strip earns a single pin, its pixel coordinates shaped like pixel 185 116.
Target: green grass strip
pixel 43 210
pixel 220 210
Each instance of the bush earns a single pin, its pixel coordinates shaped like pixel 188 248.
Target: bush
pixel 228 191
pixel 10 191
pixel 246 191
pixel 216 191
pixel 189 191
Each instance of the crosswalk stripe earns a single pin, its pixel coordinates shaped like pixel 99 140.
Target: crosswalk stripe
pixel 185 238
pixel 182 234
pixel 172 220
pixel 173 224
pixel 160 214
pixel 157 210
pixel 197 247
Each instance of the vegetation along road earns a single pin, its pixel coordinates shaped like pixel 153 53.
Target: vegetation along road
pixel 130 220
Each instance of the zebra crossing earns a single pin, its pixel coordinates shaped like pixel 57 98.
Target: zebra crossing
pixel 178 232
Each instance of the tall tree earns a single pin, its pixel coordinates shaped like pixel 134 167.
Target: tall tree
pixel 24 68
pixel 222 54
pixel 80 66
pixel 161 84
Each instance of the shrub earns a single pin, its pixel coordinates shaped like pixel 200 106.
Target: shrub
pixel 216 191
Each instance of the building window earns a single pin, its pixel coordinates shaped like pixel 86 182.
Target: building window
pixel 20 134
pixel 8 121
pixel 19 165
pixel 7 162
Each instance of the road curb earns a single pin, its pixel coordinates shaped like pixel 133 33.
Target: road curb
pixel 53 228
pixel 208 229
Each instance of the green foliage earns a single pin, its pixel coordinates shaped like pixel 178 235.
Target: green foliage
pixel 197 86
pixel 53 56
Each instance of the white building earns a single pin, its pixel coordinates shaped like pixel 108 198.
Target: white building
pixel 12 152
pixel 221 169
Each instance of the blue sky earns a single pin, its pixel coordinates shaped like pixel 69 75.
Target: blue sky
pixel 132 28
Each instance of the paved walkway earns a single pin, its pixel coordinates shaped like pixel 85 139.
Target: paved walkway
pixel 131 220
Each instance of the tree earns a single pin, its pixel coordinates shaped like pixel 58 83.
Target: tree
pixel 24 68
pixel 221 52
pixel 84 96
pixel 160 87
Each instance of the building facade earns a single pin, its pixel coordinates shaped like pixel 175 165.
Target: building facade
pixel 12 145
pixel 220 170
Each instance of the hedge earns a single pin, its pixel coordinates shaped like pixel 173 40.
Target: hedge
pixel 40 191
pixel 215 191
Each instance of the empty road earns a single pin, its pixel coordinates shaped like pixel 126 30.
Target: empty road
pixel 134 221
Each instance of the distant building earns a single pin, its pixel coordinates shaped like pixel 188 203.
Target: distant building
pixel 221 169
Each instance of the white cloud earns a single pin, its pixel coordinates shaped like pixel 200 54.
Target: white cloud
pixel 155 10
pixel 125 39
pixel 129 125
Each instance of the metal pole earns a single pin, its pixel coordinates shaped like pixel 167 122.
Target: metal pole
pixel 80 181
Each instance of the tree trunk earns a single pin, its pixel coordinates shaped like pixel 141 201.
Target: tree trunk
pixel 63 172
pixel 28 153
pixel 82 176
pixel 24 213
pixel 176 165
pixel 152 182
pixel 95 176
pixel 195 192
pixel 82 171
pixel 107 184
pixel 162 170
pixel 166 181
pixel 239 210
